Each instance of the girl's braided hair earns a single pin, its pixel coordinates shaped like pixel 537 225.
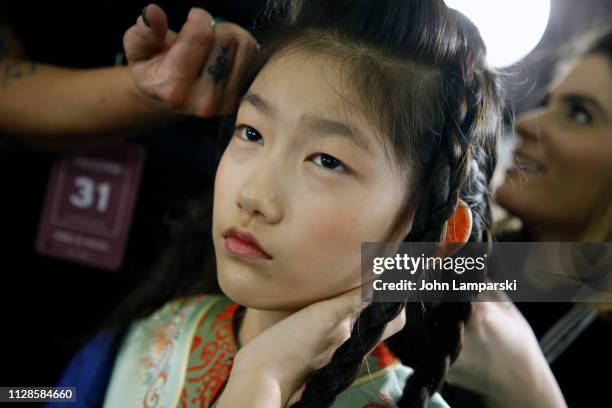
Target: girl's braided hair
pixel 420 71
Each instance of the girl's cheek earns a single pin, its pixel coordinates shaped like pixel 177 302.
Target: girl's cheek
pixel 226 181
pixel 329 228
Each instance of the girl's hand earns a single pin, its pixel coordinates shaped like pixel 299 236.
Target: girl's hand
pixel 195 71
pixel 305 341
pixel 501 359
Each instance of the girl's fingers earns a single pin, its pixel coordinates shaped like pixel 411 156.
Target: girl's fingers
pixel 297 395
pixel 193 45
pixel 141 40
pixel 349 304
pixel 394 326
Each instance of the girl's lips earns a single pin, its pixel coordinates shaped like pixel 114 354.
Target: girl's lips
pixel 236 246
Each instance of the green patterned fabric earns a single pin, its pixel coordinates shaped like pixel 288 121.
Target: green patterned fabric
pixel 181 356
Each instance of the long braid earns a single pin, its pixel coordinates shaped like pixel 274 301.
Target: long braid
pixel 436 332
pixel 441 326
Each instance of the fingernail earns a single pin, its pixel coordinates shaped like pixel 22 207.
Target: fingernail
pixel 217 20
pixel 144 17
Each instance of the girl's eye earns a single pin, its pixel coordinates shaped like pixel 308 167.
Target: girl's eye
pixel 580 115
pixel 329 162
pixel 249 134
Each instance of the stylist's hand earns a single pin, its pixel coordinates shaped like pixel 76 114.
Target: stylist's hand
pixel 501 359
pixel 195 71
pixel 303 342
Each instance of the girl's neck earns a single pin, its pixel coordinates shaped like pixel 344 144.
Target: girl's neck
pixel 256 321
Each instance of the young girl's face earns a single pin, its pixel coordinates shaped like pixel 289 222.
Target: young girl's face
pixel 307 176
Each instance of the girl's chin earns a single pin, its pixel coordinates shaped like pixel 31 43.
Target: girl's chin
pixel 253 297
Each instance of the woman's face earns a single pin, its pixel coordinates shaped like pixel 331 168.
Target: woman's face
pixel 306 175
pixel 563 165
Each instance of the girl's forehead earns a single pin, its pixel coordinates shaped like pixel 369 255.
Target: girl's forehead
pixel 300 82
pixel 307 76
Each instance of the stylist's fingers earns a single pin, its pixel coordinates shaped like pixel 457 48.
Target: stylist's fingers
pixel 246 48
pixel 216 67
pixel 494 299
pixel 192 45
pixel 148 35
pixel 233 49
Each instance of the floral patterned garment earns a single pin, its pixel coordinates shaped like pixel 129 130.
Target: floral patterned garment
pixel 181 356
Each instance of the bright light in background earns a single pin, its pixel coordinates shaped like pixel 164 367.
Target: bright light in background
pixel 510 28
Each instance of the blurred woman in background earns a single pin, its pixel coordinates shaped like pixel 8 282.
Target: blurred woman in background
pixel 560 187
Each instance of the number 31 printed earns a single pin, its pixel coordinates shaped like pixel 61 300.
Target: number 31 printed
pixel 84 197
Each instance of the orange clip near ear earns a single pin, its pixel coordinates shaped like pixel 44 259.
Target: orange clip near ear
pixel 459 225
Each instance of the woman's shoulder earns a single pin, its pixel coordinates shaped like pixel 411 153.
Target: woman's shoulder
pixel 380 383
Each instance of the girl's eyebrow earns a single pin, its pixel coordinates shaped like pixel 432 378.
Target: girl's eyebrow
pixel 320 124
pixel 259 103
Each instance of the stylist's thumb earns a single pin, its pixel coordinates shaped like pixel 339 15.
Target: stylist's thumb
pixel 148 36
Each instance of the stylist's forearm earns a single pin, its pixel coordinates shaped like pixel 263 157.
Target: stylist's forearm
pixel 539 390
pixel 43 103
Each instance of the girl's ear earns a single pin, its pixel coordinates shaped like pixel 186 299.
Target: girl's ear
pixel 459 225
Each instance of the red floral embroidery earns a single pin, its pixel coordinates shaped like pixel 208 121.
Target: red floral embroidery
pixel 214 361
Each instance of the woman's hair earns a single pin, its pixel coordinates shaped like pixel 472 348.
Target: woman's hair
pixel 419 70
pixel 597 41
pixel 601 43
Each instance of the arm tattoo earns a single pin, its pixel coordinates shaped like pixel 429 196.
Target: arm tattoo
pixel 12 70
pixel 219 70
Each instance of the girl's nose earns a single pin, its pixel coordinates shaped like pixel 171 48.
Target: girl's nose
pixel 258 200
